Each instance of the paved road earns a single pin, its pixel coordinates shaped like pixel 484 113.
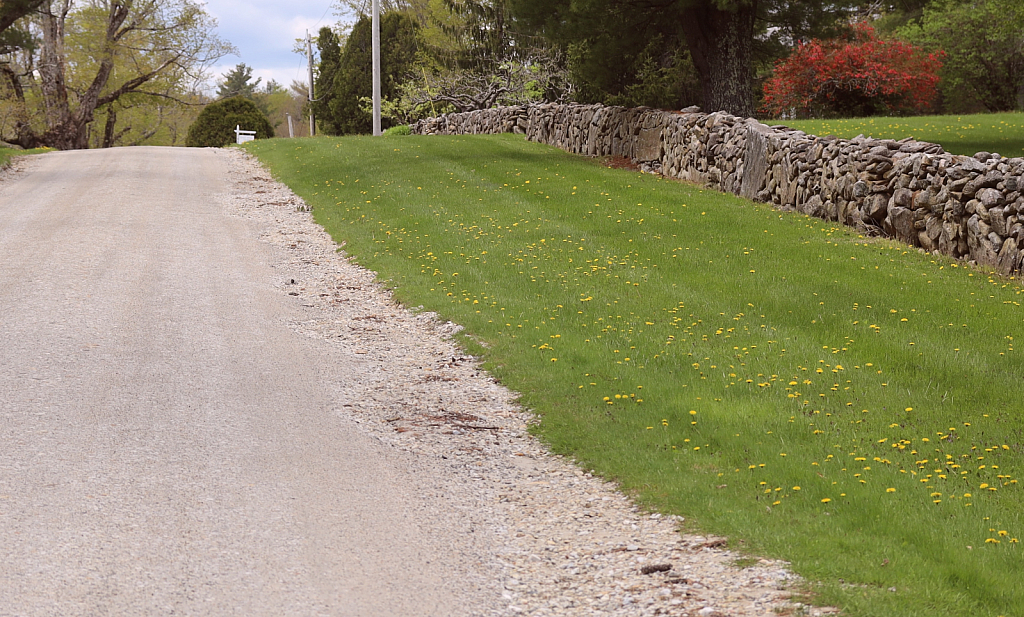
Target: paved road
pixel 166 442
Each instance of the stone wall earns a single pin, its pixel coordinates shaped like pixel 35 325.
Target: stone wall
pixel 970 208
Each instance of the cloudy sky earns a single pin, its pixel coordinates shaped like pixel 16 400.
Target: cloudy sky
pixel 264 31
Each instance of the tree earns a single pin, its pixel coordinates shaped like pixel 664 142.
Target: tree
pixel 353 81
pixel 215 126
pixel 326 71
pixel 724 38
pixel 517 81
pixel 861 75
pixel 984 45
pixel 236 82
pixel 13 10
pixel 91 56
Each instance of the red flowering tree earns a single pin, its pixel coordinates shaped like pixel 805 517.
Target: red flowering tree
pixel 860 75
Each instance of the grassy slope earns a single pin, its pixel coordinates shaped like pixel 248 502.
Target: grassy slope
pixel 6 154
pixel 770 351
pixel 1002 133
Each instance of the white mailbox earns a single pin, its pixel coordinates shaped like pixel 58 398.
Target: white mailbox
pixel 243 136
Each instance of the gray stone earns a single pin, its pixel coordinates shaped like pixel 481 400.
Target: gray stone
pixel 755 162
pixel 901 221
pixel 989 197
pixel 926 242
pixel 933 227
pixel 997 220
pixel 876 207
pixel 648 145
pixel 860 189
pixel 903 198
pixel 1009 257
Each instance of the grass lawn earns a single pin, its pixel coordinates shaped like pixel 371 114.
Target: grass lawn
pixel 847 404
pixel 6 154
pixel 1002 133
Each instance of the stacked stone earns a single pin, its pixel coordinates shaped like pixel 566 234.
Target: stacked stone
pixel 969 208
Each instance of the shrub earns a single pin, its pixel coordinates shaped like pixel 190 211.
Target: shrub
pixel 861 75
pixel 984 45
pixel 401 129
pixel 215 126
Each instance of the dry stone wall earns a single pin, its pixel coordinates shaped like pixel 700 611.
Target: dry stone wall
pixel 970 208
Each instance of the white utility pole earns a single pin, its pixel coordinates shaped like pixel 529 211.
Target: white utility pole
pixel 375 43
pixel 309 61
pixel 291 131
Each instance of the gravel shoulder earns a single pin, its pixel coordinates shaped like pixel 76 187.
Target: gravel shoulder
pixel 563 541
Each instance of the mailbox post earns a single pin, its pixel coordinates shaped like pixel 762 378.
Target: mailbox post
pixel 243 136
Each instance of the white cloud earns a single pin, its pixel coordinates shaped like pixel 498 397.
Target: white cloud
pixel 264 31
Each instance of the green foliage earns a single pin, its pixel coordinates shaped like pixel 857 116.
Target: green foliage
pixel 326 72
pixel 13 10
pixel 238 82
pixel 791 372
pixel 477 33
pixel 353 81
pixel 401 129
pixel 215 126
pixel 614 58
pixel 964 135
pixel 984 45
pixel 662 75
pixel 108 61
pixel 6 154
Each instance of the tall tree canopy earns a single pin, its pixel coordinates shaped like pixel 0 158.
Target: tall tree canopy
pixel 238 82
pixel 352 82
pixel 327 69
pixel 984 45
pixel 723 38
pixel 93 55
pixel 13 10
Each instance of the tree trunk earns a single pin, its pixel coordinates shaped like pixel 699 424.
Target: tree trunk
pixel 67 128
pixel 721 45
pixel 108 128
pixel 52 64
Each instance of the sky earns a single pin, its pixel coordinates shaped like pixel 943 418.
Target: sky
pixel 264 31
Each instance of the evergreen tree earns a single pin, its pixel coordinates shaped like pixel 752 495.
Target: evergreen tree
pixel 236 83
pixel 326 71
pixel 353 81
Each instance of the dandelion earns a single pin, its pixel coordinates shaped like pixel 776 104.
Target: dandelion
pixel 890 490
pixel 825 500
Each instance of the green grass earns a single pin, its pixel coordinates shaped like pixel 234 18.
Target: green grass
pixel 6 154
pixel 1002 133
pixel 712 355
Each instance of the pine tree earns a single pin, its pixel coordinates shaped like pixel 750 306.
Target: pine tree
pixel 236 83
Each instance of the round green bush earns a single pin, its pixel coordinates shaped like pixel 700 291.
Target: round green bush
pixel 215 126
pixel 401 129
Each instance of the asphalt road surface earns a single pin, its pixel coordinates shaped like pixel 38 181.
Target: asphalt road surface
pixel 166 442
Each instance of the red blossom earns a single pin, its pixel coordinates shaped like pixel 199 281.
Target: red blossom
pixel 863 75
